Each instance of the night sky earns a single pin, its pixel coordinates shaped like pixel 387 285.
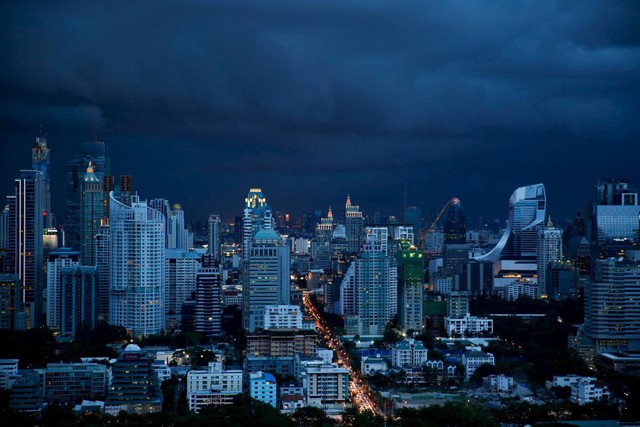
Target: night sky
pixel 312 100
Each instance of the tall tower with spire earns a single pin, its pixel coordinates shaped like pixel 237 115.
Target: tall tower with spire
pixel 354 226
pixel 41 161
pixel 257 216
pixel 324 229
pixel 549 249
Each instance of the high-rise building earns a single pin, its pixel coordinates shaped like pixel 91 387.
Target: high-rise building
pixel 208 310
pixel 549 249
pixel 91 213
pixel 612 318
pixel 41 161
pixel 103 264
pixel 348 292
pixel 177 235
pixel 79 299
pixel 26 237
pixel 257 216
pixel 527 209
pixel 455 225
pixel 162 206
pixel 410 287
pixel 413 217
pixel 215 237
pixel 615 213
pixel 96 153
pixel 324 230
pixel 354 226
pixel 180 283
pixel 267 277
pixel 56 262
pixel 137 267
pixel 376 283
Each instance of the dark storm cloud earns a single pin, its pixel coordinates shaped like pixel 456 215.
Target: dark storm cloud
pixel 314 99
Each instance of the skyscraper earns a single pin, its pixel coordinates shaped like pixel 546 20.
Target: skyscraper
pixel 354 225
pixel 615 213
pixel 410 288
pixel 92 151
pixel 455 225
pixel 78 292
pixel 324 230
pixel 257 216
pixel 267 281
pixel 91 213
pixel 180 270
pixel 103 264
pixel 27 238
pixel 376 283
pixel 549 249
pixel 527 208
pixel 612 318
pixel 137 273
pixel 208 310
pixel 41 161
pixel 57 260
pixel 215 236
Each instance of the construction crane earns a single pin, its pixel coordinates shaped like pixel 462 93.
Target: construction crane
pixel 426 231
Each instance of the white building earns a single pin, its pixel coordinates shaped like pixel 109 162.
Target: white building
pixel 326 386
pixel 282 317
pixel 137 273
pixel 262 387
pixel 589 391
pixel 373 365
pixel 212 386
pixel 472 360
pixel 408 352
pixel 521 288
pixel 549 249
pixel 499 383
pixel 468 325
pixel 348 292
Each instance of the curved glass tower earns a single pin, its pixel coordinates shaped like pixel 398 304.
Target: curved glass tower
pixel 527 208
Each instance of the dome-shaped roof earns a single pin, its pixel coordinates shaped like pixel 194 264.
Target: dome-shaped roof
pixel 132 347
pixel 266 235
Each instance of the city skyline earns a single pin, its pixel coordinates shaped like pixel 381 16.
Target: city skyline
pixel 450 100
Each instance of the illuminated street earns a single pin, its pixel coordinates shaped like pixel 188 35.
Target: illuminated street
pixel 361 394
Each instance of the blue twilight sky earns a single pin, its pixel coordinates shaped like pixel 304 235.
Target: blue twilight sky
pixel 311 100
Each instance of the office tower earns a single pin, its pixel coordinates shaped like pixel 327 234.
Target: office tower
pixel 376 283
pixel 28 252
pixel 137 267
pixel 181 269
pixel 4 227
pixel 96 153
pixel 78 293
pixel 9 300
pixel 126 189
pixel 324 229
pixel 56 262
pixel 410 288
pixel 615 213
pixel 91 212
pixel 476 278
pixel 134 383
pixel 267 277
pixel 41 161
pixel 549 249
pixel 354 224
pixel 208 310
pixel 612 318
pixel 103 264
pixel 215 237
pixel 257 216
pixel 527 208
pixel 455 225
